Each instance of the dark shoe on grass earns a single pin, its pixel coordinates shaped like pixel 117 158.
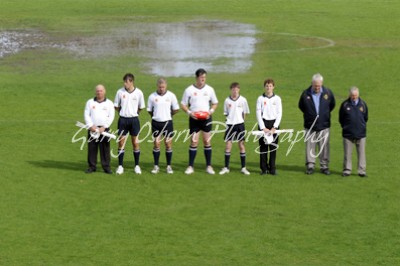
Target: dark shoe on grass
pixel 325 171
pixel 90 170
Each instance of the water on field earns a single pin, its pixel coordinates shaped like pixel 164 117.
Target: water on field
pixel 167 49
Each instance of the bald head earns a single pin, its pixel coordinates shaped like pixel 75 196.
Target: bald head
pixel 100 92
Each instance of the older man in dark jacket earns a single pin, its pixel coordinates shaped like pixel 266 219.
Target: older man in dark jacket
pixel 353 117
pixel 317 103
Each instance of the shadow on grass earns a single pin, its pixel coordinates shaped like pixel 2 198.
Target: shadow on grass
pixel 293 168
pixel 52 164
pixel 82 166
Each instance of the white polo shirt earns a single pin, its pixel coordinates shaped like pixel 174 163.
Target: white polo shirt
pixel 99 113
pixel 234 110
pixel 199 99
pixel 129 102
pixel 162 105
pixel 269 108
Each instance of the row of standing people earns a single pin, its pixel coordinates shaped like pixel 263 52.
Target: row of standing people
pixel 316 103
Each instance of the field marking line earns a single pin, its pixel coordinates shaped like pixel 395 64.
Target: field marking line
pixel 330 42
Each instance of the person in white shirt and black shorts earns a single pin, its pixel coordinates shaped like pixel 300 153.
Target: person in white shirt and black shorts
pixel 235 109
pixel 269 115
pixel 200 98
pixel 162 105
pixel 129 100
pixel 99 115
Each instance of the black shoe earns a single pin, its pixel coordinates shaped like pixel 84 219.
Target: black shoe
pixel 345 174
pixel 362 175
pixel 109 172
pixel 263 173
pixel 90 170
pixel 325 171
pixel 310 171
pixel 272 173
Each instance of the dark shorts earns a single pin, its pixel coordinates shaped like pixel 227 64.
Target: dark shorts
pixel 200 125
pixel 235 133
pixel 128 124
pixel 162 128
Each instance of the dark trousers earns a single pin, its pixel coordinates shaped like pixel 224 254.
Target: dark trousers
pixel 268 149
pixel 102 144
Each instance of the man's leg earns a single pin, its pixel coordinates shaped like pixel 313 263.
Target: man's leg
pixel 121 149
pixel 92 153
pixel 228 148
pixel 193 147
pixel 263 155
pixel 348 151
pixel 324 156
pixel 242 150
pixel 136 149
pixel 207 147
pixel 310 150
pixel 156 150
pixel 105 156
pixel 362 162
pixel 168 150
pixel 272 155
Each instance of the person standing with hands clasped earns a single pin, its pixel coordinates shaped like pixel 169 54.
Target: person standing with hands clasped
pixel 235 110
pixel 317 103
pixel 162 105
pixel 269 115
pixel 198 98
pixel 353 117
pixel 99 115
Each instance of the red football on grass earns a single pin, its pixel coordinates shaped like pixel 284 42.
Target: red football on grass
pixel 201 115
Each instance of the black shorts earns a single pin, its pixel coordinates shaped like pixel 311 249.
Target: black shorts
pixel 128 124
pixel 235 132
pixel 197 125
pixel 162 128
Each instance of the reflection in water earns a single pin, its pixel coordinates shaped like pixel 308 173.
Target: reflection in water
pixel 168 49
pixel 178 49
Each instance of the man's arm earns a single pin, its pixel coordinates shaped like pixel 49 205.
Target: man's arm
pixel 260 120
pixel 301 103
pixel 333 102
pixel 88 118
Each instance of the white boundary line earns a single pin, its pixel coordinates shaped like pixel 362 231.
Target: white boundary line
pixel 330 42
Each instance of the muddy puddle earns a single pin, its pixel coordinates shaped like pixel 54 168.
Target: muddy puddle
pixel 168 49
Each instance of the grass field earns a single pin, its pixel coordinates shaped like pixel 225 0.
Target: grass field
pixel 52 213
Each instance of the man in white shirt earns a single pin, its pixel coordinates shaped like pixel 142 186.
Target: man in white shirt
pixel 162 105
pixel 235 110
pixel 99 115
pixel 198 98
pixel 129 100
pixel 269 115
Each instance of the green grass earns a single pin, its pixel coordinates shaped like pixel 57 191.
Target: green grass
pixel 54 214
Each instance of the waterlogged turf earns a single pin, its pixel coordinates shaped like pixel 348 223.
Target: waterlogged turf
pixel 54 53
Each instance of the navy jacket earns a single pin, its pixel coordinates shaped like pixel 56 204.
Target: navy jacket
pixel 353 119
pixel 326 105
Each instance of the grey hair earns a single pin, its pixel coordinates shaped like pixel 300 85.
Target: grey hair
pixel 317 77
pixel 354 89
pixel 161 81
